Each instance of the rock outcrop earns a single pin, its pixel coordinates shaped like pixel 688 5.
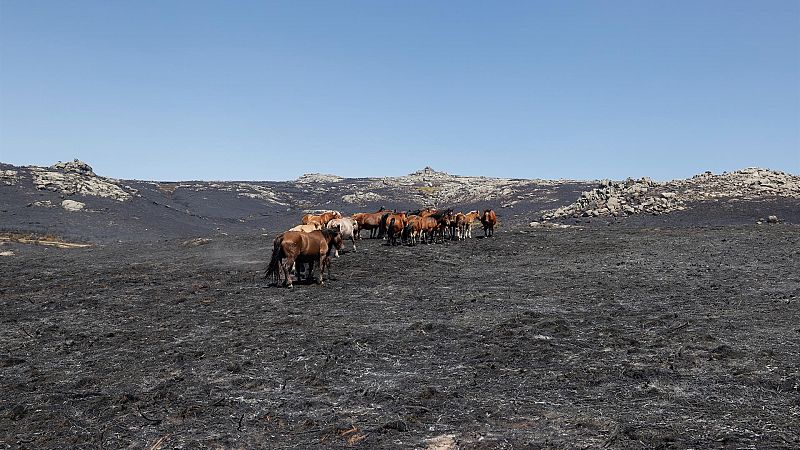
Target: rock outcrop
pixel 429 187
pixel 9 177
pixel 645 196
pixel 620 198
pixel 361 198
pixel 318 178
pixel 74 166
pixel 72 205
pixel 77 177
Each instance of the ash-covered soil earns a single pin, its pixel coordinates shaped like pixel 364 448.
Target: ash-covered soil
pixel 601 336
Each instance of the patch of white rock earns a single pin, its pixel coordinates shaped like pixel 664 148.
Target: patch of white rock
pixel 77 177
pixel 647 196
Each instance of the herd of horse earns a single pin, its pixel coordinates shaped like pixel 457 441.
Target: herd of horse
pixel 318 237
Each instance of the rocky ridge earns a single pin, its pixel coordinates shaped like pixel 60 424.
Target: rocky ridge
pixel 69 178
pixel 429 187
pixel 650 197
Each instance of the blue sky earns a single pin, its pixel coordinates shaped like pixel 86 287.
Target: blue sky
pixel 178 90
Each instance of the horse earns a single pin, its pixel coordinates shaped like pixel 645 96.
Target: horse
pixel 420 227
pixel 394 227
pixel 306 228
pixel 409 235
pixel 382 224
pixel 464 223
pixel 488 220
pixel 369 221
pixel 321 219
pixel 294 246
pixel 347 227
pixel 443 219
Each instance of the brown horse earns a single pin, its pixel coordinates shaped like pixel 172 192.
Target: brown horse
pixel 420 227
pixel 369 221
pixel 464 223
pixel 295 246
pixel 443 219
pixel 321 219
pixel 488 220
pixel 394 227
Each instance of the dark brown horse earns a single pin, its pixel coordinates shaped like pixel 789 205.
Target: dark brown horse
pixel 488 220
pixel 296 247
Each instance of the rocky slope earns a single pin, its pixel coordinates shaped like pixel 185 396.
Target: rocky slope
pixel 70 199
pixel 631 196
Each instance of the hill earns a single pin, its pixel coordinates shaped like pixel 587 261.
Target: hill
pixel 70 199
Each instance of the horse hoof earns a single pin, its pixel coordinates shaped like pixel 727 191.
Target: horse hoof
pixel 290 287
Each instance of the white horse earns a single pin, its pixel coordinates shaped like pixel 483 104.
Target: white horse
pixel 348 227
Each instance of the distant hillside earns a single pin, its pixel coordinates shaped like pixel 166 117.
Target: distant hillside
pixel 69 199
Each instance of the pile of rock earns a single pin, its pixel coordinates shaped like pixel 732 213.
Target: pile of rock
pixel 9 177
pixel 622 198
pixel 318 178
pixel 74 166
pixel 745 184
pixel 361 198
pixel 257 191
pixel 431 187
pixel 77 177
pixel 649 197
pixel 72 205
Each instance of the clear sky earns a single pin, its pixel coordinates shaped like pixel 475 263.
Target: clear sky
pixel 262 90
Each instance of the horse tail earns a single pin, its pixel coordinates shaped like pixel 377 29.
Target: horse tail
pixel 274 264
pixel 390 231
pixel 382 227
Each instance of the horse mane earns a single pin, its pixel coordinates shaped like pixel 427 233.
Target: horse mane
pixel 329 232
pixel 439 214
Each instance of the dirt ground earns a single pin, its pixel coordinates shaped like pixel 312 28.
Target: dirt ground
pixel 605 336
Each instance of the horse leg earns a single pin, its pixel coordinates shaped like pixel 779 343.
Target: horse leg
pixel 354 244
pixel 286 273
pixel 327 263
pixel 322 257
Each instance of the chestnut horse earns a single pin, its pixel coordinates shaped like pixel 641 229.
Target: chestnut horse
pixel 464 223
pixel 488 220
pixel 295 246
pixel 394 227
pixel 321 219
pixel 369 221
pixel 420 227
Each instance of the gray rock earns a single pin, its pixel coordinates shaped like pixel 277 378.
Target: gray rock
pixel 74 166
pixel 9 177
pixel 72 205
pixel 772 219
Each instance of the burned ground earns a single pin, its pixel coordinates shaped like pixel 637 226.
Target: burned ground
pixel 647 337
